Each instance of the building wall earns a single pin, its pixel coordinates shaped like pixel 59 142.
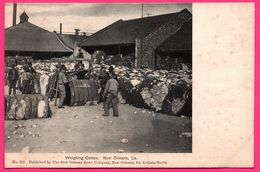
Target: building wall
pixel 138 53
pixel 146 47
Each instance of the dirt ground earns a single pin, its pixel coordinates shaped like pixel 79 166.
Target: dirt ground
pixel 83 129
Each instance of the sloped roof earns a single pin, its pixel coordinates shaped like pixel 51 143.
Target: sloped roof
pixel 125 32
pixel 181 41
pixel 31 38
pixel 71 40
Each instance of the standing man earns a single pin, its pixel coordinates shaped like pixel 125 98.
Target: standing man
pixel 81 72
pixel 103 78
pixel 62 80
pixel 31 69
pixel 112 72
pixel 111 69
pixel 25 80
pixel 80 54
pixel 33 74
pixel 12 79
pixel 110 96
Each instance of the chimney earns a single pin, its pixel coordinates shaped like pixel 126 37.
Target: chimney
pixel 14 13
pixel 142 15
pixel 60 28
pixel 77 32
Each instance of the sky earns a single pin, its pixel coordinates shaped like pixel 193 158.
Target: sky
pixel 87 17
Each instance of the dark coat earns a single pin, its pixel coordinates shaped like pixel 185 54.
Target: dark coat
pixel 13 75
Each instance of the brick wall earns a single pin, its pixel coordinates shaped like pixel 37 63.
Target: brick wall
pixel 138 54
pixel 145 48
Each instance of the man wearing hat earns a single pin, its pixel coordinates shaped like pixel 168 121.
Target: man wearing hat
pixel 103 78
pixel 110 95
pixel 62 81
pixel 12 79
pixel 112 72
pixel 26 76
pixel 33 73
pixel 111 69
pixel 80 54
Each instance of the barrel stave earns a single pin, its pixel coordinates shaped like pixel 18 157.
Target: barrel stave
pixel 83 91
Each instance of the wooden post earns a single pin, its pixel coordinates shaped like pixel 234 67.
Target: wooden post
pixel 14 13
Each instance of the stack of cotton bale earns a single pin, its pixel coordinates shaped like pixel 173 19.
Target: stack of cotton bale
pixel 158 90
pixel 46 72
pixel 26 106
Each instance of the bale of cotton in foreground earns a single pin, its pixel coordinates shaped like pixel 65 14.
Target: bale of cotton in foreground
pixel 26 106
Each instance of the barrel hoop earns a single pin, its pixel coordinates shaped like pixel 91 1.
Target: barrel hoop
pixel 86 93
pixel 72 94
pixel 91 94
pixel 82 92
pixel 77 93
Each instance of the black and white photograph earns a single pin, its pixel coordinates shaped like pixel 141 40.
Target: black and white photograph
pixel 98 78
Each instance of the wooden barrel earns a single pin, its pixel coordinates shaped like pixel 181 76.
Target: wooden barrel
pixel 70 96
pixel 87 90
pixel 22 107
pixel 78 92
pixel 95 86
pixel 82 91
pixel 90 92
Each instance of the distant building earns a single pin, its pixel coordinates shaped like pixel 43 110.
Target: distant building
pixel 72 41
pixel 156 42
pixel 27 39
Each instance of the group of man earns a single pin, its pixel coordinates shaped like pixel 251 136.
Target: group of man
pixel 26 79
pixel 108 84
pixel 107 80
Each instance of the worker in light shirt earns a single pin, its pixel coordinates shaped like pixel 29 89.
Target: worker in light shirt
pixel 110 96
pixel 26 76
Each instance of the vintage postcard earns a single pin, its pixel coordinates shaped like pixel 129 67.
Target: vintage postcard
pixel 129 85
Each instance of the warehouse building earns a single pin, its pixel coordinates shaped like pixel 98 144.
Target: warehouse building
pixel 72 41
pixel 156 42
pixel 27 39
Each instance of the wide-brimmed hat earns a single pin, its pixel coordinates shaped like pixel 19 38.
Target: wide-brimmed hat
pixel 63 67
pixel 111 68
